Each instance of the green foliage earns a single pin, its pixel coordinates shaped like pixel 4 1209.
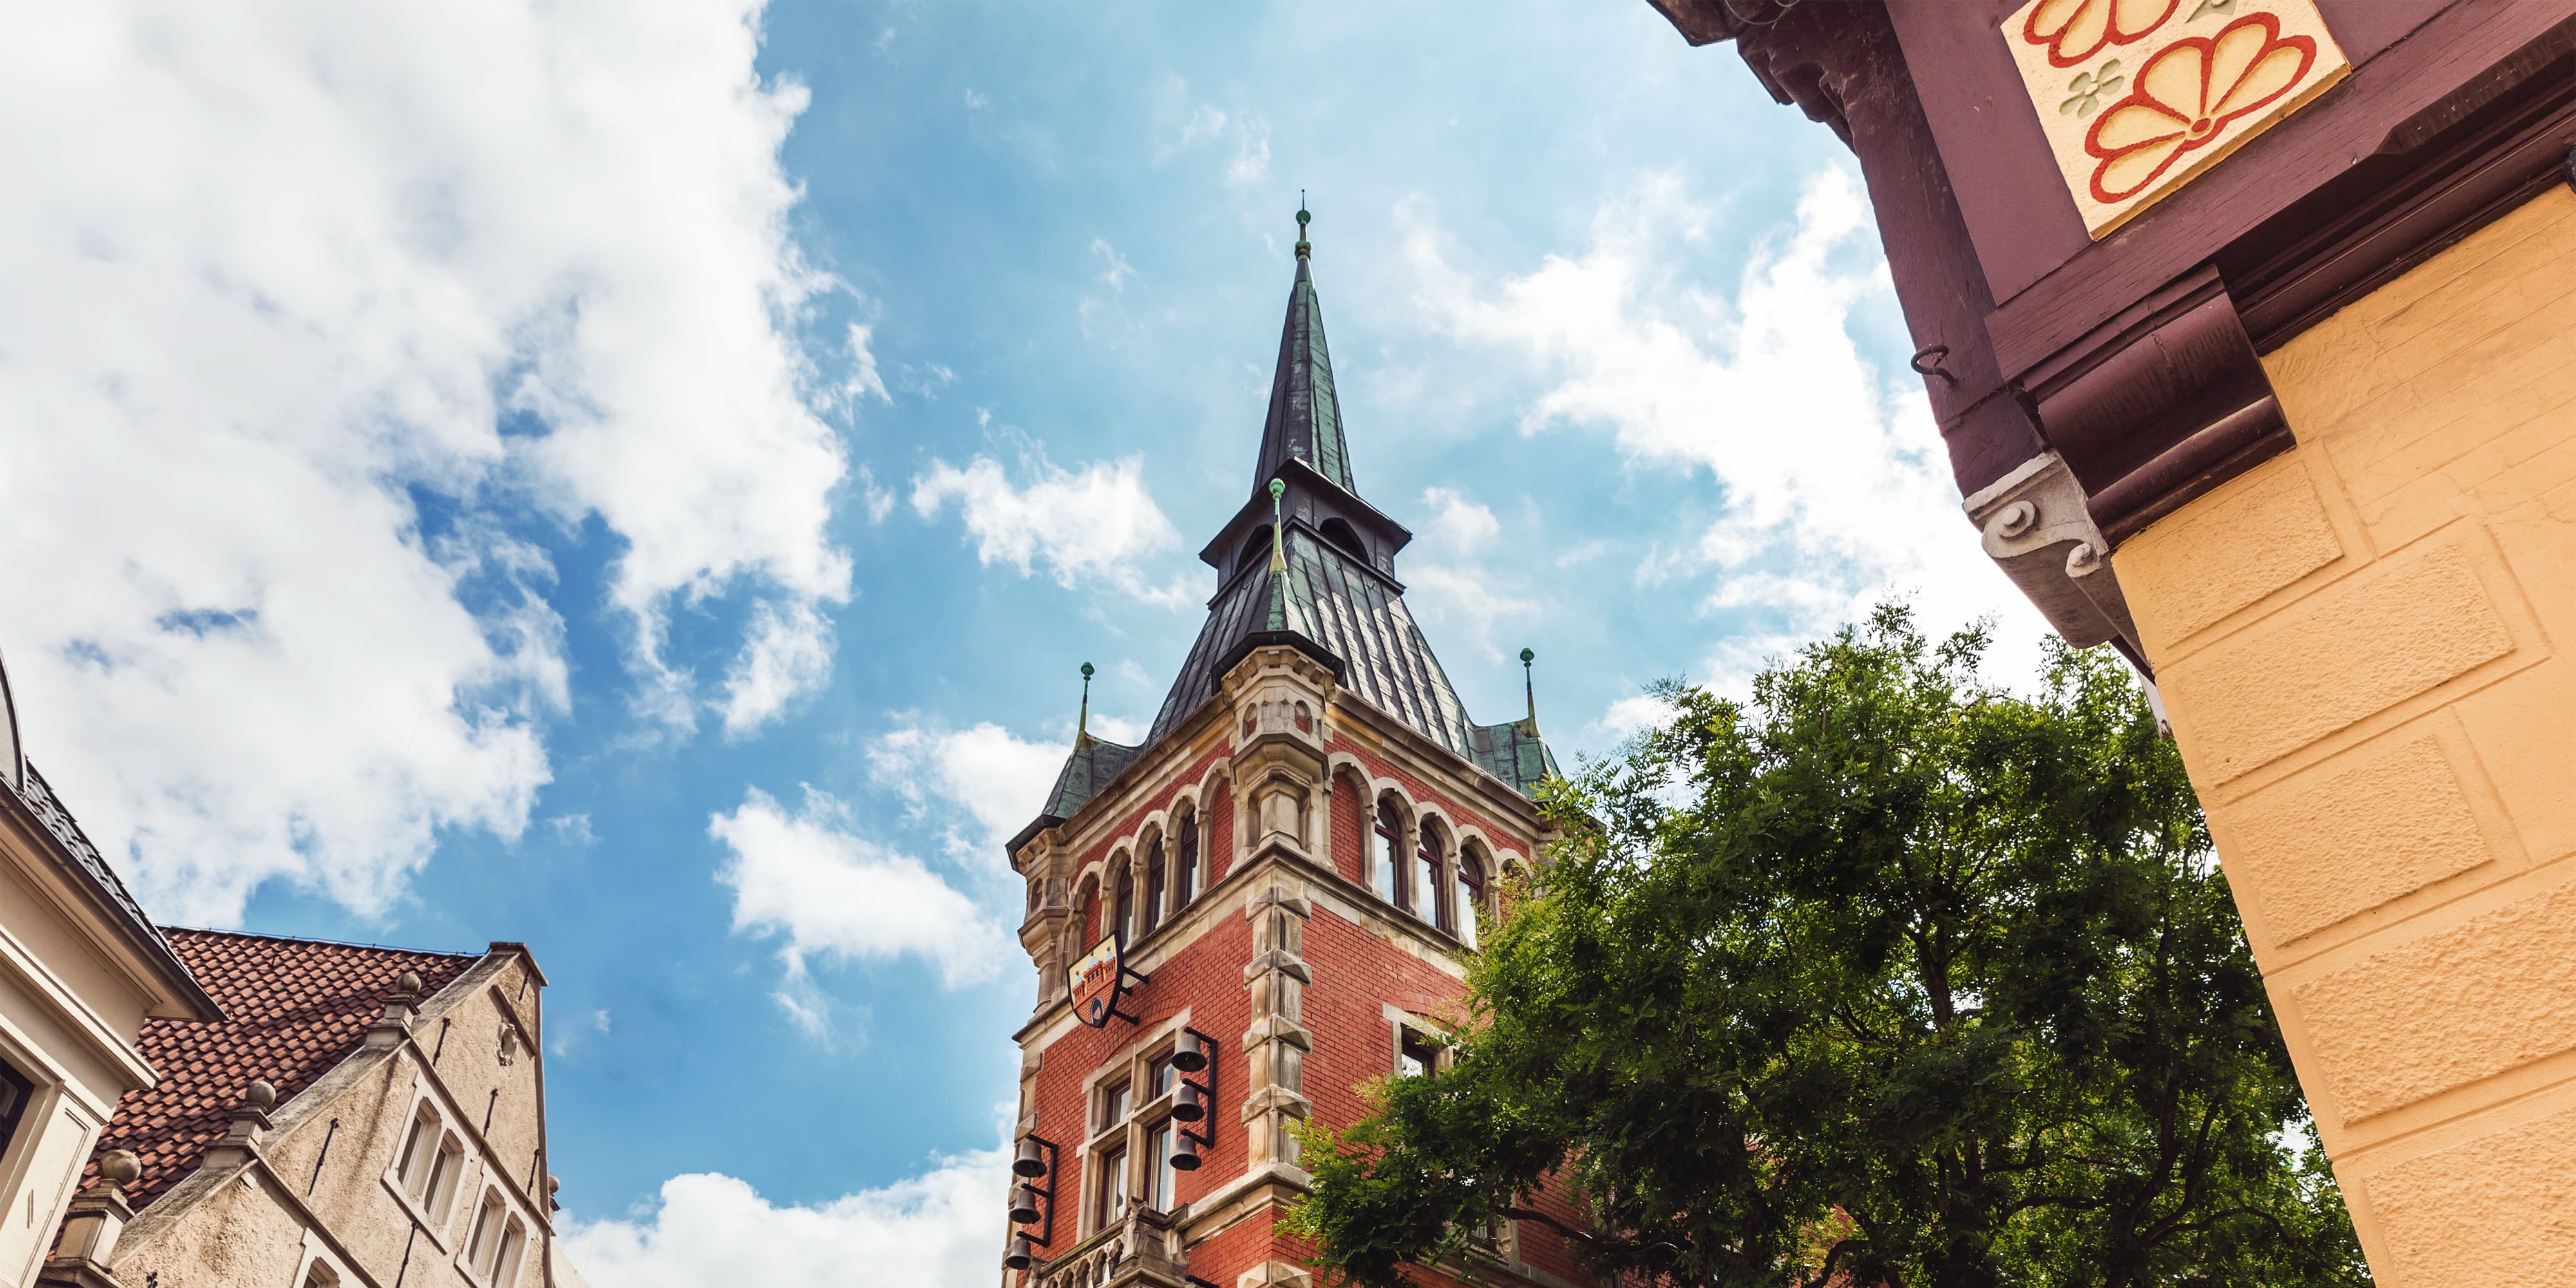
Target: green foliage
pixel 1885 974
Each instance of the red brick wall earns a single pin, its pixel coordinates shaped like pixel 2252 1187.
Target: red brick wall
pixel 1348 834
pixel 1356 973
pixel 1421 793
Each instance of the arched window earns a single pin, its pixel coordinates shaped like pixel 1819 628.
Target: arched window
pixel 1126 905
pixel 1339 533
pixel 1185 867
pixel 1153 913
pixel 1256 549
pixel 1429 894
pixel 1471 892
pixel 1389 874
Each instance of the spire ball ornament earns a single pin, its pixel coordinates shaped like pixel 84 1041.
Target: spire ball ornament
pixel 1304 247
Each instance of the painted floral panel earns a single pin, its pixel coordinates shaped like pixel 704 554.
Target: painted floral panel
pixel 2138 97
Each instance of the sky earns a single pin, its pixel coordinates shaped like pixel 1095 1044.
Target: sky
pixel 640 477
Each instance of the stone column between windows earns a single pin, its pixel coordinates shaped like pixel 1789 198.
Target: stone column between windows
pixel 1275 1046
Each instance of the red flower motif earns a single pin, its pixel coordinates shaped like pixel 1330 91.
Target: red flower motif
pixel 2185 96
pixel 2075 30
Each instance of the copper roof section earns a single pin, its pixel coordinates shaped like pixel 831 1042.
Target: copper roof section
pixel 293 1008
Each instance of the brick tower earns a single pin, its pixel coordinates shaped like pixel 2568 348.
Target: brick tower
pixel 1265 905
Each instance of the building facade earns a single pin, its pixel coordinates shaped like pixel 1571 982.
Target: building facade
pixel 2250 326
pixel 82 970
pixel 360 1117
pixel 1242 921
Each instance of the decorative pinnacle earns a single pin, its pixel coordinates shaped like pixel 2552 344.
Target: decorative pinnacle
pixel 1529 689
pixel 1082 723
pixel 1278 526
pixel 1304 247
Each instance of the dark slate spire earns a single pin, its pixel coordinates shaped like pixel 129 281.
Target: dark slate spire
pixel 1305 418
pixel 1307 563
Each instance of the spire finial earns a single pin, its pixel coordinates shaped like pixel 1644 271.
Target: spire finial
pixel 1278 526
pixel 1304 247
pixel 1529 690
pixel 1082 723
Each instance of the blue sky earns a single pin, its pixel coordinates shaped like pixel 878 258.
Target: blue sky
pixel 640 479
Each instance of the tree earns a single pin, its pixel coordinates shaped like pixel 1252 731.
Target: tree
pixel 1886 976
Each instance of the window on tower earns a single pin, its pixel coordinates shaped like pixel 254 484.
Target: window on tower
pixel 1387 873
pixel 1429 893
pixel 1135 1128
pixel 1339 533
pixel 1153 910
pixel 1126 905
pixel 1185 864
pixel 1471 892
pixel 1415 1053
pixel 1113 1186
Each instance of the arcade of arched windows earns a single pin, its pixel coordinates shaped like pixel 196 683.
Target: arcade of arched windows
pixel 1414 860
pixel 1150 879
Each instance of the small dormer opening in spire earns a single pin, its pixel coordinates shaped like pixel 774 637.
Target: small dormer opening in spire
pixel 1339 531
pixel 1256 548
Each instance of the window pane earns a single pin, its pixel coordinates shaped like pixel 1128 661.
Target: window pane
pixel 512 1244
pixel 1113 1185
pixel 1471 895
pixel 1126 905
pixel 1389 853
pixel 1158 1077
pixel 1414 1054
pixel 1113 1103
pixel 1426 879
pixel 1185 867
pixel 1158 1147
pixel 1153 910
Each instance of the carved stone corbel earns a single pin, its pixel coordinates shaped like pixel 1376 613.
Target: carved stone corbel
pixel 2034 522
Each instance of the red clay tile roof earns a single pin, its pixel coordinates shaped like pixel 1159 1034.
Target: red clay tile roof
pixel 293 1009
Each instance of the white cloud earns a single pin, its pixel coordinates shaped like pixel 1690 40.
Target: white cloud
pixel 804 875
pixel 1093 524
pixel 1450 577
pixel 290 268
pixel 863 380
pixel 574 829
pixel 1631 715
pixel 788 655
pixel 1118 270
pixel 1191 124
pixel 939 1229
pixel 1251 163
pixel 998 779
pixel 1833 488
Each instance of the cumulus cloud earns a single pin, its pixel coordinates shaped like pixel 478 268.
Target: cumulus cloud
pixel 789 654
pixel 939 1229
pixel 997 778
pixel 1451 576
pixel 1832 486
pixel 1093 524
pixel 805 876
pixel 289 270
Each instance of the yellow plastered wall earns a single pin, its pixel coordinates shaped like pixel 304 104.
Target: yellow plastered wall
pixel 2358 643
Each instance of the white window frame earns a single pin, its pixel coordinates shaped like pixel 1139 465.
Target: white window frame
pixel 432 1222
pixel 317 1254
pixel 469 1265
pixel 1132 1131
